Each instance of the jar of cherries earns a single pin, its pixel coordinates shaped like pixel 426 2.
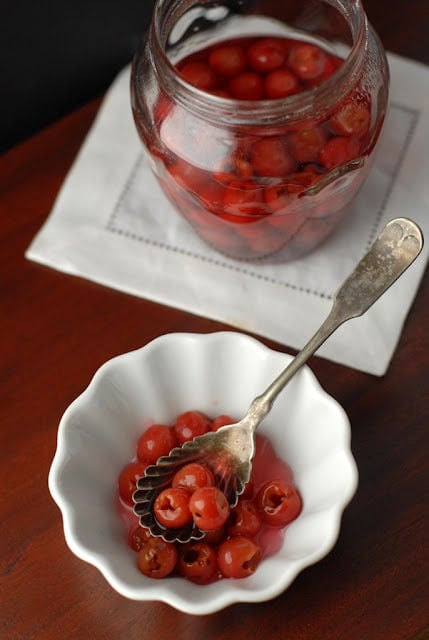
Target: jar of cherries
pixel 260 117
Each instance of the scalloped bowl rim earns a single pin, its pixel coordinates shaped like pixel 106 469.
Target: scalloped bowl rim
pixel 181 594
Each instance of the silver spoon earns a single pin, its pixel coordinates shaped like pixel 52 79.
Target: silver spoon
pixel 229 451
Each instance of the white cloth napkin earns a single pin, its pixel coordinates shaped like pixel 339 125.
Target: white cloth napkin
pixel 112 224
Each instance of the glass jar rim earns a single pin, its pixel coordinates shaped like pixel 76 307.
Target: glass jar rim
pixel 292 109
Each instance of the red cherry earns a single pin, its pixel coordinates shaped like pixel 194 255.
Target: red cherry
pixel 266 54
pixel 221 421
pixel 190 424
pixel 247 86
pixel 209 508
pixel 339 150
pixel 156 441
pixel 138 537
pixel 306 145
pixel 198 562
pixel 307 61
pixel 351 119
pixel 199 75
pixel 331 65
pixel 128 480
pixel 238 557
pixel 193 476
pixel 228 60
pixel 157 558
pixel 244 519
pixel 271 158
pixel 171 507
pixel 278 503
pixel 281 83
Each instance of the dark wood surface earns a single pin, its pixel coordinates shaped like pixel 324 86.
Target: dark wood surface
pixel 57 330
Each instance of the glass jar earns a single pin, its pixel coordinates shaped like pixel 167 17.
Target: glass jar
pixel 270 172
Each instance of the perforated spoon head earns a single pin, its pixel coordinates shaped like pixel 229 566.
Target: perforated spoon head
pixel 228 453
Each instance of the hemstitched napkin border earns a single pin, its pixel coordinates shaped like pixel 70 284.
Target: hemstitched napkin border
pixel 112 224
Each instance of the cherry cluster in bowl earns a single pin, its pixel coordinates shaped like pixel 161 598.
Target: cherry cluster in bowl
pixel 237 539
pixel 246 203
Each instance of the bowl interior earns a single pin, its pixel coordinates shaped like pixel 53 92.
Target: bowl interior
pixel 215 373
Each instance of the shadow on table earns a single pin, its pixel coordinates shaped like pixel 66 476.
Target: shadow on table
pixel 59 55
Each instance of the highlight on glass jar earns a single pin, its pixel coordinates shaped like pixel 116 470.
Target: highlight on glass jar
pixel 260 117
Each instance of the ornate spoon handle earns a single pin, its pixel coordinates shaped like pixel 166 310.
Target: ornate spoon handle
pixel 397 246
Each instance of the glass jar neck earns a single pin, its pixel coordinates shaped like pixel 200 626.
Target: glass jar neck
pixel 312 103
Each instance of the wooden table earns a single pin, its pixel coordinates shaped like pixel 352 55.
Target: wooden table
pixel 57 330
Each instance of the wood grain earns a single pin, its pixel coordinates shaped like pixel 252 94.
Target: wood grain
pixel 57 330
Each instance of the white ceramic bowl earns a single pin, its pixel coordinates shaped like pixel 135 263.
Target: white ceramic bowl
pixel 216 373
